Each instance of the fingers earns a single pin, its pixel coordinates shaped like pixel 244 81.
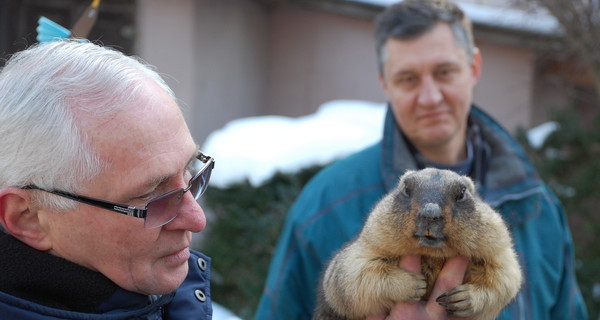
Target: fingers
pixel 451 276
pixel 408 310
pixel 411 263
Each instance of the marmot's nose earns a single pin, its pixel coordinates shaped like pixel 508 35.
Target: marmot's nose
pixel 431 211
pixel 429 225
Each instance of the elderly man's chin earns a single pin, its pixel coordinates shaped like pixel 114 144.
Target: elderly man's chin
pixel 162 280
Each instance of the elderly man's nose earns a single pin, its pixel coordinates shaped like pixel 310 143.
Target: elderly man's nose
pixel 191 215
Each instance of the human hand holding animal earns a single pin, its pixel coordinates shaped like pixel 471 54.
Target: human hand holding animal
pixel 451 276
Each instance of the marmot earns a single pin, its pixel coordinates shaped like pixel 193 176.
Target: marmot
pixel 436 214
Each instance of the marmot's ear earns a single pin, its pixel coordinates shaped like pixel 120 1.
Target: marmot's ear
pixel 470 183
pixel 19 217
pixel 406 173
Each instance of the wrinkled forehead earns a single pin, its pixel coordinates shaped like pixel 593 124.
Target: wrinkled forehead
pixel 138 147
pixel 143 129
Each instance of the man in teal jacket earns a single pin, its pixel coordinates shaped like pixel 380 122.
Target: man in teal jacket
pixel 428 68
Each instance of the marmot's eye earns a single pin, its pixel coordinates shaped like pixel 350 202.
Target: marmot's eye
pixel 406 191
pixel 462 194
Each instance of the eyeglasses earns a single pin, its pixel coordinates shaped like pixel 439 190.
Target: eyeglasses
pixel 162 209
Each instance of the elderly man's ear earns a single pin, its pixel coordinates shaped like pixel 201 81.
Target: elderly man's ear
pixel 20 217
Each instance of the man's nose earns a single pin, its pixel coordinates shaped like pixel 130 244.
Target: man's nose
pixel 429 93
pixel 191 215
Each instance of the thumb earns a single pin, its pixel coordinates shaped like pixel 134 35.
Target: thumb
pixel 451 276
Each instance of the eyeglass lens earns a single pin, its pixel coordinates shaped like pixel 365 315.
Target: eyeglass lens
pixel 162 210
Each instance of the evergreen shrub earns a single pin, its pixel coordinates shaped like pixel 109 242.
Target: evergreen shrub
pixel 569 162
pixel 242 237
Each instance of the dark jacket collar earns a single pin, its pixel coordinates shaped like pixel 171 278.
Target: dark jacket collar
pixel 50 280
pixel 396 156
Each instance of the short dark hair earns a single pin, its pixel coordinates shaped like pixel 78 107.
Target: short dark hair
pixel 410 19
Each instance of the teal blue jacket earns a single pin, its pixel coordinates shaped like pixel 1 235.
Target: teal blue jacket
pixel 333 206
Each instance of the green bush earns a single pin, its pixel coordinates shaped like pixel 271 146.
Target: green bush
pixel 569 162
pixel 242 238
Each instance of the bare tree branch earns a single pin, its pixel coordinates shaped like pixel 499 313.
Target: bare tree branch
pixel 580 21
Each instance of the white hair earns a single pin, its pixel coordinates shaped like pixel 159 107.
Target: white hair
pixel 45 92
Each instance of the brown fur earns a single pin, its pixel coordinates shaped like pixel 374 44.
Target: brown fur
pixel 436 214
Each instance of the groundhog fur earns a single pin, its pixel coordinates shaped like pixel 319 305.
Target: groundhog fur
pixel 436 214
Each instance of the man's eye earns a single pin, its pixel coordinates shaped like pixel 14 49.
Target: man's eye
pixel 192 168
pixel 408 79
pixel 445 74
pixel 187 175
pixel 147 197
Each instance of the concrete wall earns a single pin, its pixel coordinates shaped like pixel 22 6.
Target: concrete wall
pixel 165 39
pixel 231 41
pixel 505 89
pixel 315 57
pixel 212 53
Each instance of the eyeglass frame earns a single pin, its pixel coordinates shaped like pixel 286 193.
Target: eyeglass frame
pixel 132 211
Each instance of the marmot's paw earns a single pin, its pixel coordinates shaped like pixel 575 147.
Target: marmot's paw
pixel 458 301
pixel 420 287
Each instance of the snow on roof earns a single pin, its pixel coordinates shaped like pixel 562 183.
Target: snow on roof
pixel 255 148
pixel 500 15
